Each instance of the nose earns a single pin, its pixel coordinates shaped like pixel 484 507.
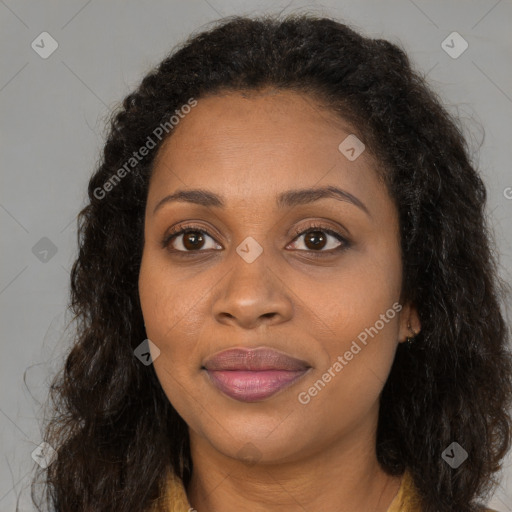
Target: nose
pixel 251 295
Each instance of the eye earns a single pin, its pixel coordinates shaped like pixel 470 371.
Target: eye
pixel 189 239
pixel 316 239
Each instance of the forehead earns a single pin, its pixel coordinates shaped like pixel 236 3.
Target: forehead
pixel 256 120
pixel 251 143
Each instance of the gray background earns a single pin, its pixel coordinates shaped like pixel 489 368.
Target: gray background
pixel 53 114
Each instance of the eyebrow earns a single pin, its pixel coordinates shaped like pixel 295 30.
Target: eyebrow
pixel 288 199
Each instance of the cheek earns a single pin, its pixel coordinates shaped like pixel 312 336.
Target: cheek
pixel 346 388
pixel 359 353
pixel 166 305
pixel 360 303
pixel 169 311
pixel 364 326
pixel 359 314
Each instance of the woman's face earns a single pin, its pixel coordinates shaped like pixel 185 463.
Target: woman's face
pixel 244 278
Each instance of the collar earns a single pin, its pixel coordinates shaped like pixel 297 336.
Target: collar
pixel 406 500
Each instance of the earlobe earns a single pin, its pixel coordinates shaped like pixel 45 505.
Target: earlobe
pixel 410 325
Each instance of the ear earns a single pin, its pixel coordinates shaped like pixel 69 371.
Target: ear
pixel 410 324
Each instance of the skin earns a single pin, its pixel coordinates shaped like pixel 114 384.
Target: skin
pixel 249 148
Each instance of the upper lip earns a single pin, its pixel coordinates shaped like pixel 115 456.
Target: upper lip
pixel 257 359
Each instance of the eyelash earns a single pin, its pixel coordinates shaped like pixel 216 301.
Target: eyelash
pixel 181 230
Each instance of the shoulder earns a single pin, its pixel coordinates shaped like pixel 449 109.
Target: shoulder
pixel 407 498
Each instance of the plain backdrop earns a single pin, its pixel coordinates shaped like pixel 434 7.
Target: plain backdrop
pixel 53 115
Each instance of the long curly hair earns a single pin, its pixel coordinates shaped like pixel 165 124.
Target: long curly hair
pixel 115 431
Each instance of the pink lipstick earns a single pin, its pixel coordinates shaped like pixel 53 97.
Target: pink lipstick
pixel 250 375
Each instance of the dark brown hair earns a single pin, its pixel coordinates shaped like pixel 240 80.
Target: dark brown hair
pixel 113 427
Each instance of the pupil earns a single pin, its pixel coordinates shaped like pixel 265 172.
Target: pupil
pixel 196 237
pixel 316 238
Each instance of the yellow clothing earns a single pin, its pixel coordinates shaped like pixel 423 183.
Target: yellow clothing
pixel 406 500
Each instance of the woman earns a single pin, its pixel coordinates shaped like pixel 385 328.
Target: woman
pixel 285 293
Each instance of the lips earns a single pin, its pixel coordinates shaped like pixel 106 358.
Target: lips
pixel 251 375
pixel 258 359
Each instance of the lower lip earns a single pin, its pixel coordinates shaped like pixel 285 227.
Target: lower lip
pixel 252 386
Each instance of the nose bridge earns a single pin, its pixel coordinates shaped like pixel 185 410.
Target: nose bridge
pixel 253 292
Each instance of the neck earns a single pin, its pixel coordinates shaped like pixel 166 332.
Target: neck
pixel 343 477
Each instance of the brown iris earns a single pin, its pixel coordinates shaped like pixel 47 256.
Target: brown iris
pixel 193 240
pixel 316 238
